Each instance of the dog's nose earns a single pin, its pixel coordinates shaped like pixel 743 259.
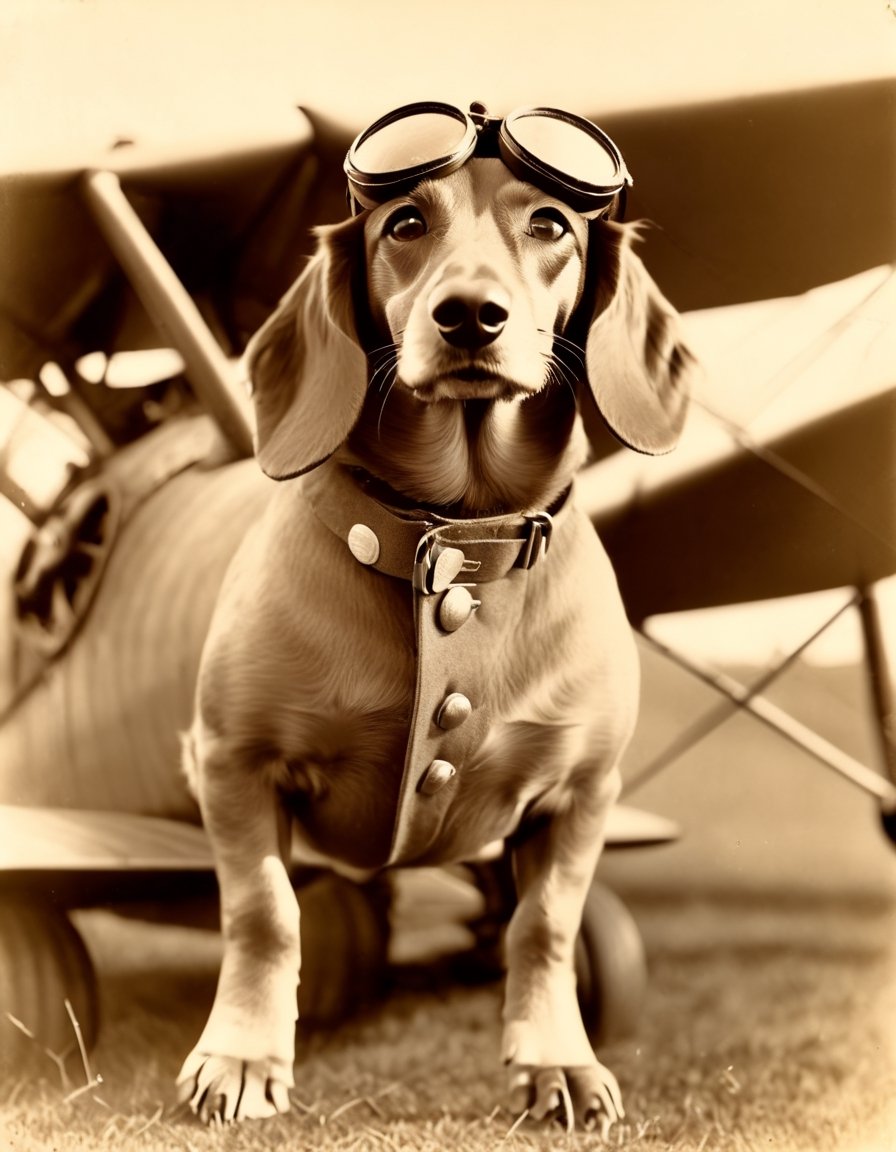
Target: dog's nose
pixel 470 316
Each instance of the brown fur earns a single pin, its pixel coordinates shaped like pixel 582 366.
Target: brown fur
pixel 307 680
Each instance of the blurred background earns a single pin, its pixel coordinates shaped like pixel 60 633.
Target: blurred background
pixel 762 140
pixel 76 75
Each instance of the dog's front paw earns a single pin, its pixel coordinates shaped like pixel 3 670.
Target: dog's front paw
pixel 586 1095
pixel 554 1073
pixel 225 1088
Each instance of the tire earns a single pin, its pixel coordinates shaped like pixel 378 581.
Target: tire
pixel 345 939
pixel 43 963
pixel 611 968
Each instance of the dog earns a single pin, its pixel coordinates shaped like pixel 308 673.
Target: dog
pixel 421 648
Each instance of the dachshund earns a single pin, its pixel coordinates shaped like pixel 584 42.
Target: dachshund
pixel 421 649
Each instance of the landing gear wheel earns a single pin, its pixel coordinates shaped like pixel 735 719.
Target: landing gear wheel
pixel 611 968
pixel 43 963
pixel 344 947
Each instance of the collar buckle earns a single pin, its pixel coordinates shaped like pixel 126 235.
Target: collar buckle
pixel 436 565
pixel 536 545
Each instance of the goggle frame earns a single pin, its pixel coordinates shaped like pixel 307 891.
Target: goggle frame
pixel 485 135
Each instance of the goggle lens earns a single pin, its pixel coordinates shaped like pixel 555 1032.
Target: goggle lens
pixel 410 142
pixel 566 148
pixel 562 154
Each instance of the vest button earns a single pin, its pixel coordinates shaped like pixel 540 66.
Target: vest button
pixel 456 608
pixel 454 710
pixel 436 777
pixel 363 544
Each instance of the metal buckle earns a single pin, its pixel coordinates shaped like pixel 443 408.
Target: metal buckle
pixel 436 565
pixel 538 541
pixel 423 564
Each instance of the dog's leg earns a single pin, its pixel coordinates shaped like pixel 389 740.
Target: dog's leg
pixel 242 1064
pixel 552 1065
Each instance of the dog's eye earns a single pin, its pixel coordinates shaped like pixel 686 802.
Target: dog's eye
pixel 406 224
pixel 548 224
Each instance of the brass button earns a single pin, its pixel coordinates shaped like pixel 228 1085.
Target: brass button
pixel 454 710
pixel 436 777
pixel 363 544
pixel 456 607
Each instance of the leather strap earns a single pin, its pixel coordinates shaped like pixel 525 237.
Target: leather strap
pixel 463 661
pixel 407 542
pixel 469 580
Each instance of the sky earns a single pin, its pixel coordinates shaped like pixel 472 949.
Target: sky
pixel 79 72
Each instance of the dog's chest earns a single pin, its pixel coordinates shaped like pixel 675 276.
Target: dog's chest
pixel 478 733
pixel 455 792
pixel 453 769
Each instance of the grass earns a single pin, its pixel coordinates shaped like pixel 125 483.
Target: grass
pixel 768 1025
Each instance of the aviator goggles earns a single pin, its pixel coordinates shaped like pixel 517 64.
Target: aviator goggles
pixel 562 154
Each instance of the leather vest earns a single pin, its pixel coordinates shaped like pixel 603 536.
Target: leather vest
pixel 469 586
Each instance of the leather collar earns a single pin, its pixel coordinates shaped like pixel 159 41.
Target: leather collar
pixel 420 545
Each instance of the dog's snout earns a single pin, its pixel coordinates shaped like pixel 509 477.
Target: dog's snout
pixel 470 316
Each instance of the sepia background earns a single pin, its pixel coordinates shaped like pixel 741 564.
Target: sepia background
pixel 768 925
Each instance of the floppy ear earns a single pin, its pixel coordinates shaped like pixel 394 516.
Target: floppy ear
pixel 307 367
pixel 639 370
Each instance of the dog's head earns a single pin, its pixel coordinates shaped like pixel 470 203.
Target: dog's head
pixel 474 286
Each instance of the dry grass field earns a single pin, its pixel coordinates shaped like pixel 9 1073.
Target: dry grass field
pixel 769 1018
pixel 767 1026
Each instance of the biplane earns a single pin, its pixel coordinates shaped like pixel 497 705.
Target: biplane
pixel 130 283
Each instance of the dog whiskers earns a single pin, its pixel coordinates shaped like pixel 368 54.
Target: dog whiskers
pixel 560 373
pixel 386 367
pixel 570 347
pixel 389 346
pixel 564 369
pixel 379 422
pixel 384 375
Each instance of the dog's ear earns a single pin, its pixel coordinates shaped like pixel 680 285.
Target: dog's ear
pixel 639 370
pixel 306 365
